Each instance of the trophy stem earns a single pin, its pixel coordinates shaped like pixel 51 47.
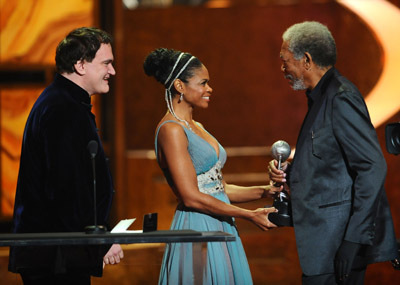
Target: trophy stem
pixel 280 162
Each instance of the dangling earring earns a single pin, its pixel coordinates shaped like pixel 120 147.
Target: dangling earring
pixel 180 98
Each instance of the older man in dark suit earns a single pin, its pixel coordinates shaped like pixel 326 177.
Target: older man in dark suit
pixel 341 215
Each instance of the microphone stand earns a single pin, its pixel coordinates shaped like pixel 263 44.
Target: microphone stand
pixel 94 229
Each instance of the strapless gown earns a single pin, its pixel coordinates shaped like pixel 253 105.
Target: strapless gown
pixel 226 262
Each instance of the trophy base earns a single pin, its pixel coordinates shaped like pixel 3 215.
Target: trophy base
pixel 280 220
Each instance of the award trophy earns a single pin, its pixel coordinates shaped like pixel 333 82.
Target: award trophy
pixel 280 151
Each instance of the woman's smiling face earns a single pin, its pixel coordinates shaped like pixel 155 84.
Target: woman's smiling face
pixel 197 89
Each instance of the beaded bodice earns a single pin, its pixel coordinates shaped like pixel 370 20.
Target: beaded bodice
pixel 211 181
pixel 205 160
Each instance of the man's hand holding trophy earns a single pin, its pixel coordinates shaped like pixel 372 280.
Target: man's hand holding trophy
pixel 280 151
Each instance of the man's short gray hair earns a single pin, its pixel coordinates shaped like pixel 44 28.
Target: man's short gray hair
pixel 314 38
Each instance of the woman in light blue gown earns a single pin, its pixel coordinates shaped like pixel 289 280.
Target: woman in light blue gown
pixel 192 159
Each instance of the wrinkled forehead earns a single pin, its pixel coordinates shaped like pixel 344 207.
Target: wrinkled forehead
pixel 285 52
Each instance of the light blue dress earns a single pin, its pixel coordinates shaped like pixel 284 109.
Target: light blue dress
pixel 226 262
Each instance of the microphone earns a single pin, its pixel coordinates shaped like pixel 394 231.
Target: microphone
pixel 92 148
pixel 94 229
pixel 280 151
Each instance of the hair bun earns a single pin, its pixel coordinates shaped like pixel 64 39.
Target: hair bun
pixel 159 62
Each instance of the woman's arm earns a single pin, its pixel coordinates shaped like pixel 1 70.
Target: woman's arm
pixel 241 194
pixel 173 143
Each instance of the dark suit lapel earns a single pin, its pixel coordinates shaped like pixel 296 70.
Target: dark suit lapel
pixel 319 103
pixel 309 120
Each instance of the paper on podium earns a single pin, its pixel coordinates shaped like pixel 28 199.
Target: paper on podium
pixel 123 225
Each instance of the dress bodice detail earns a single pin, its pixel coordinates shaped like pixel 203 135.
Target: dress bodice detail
pixel 211 181
pixel 205 160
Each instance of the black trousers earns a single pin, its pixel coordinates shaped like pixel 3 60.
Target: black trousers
pixel 356 277
pixel 43 278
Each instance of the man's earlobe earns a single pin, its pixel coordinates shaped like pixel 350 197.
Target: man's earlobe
pixel 307 61
pixel 79 67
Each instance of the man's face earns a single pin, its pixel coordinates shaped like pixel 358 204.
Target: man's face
pixel 292 68
pixel 99 71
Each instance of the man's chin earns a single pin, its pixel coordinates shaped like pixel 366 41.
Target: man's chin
pixel 295 85
pixel 298 86
pixel 104 90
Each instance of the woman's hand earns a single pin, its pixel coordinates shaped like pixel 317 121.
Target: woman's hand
pixel 260 218
pixel 270 191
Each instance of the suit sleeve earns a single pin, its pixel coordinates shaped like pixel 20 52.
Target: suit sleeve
pixel 365 162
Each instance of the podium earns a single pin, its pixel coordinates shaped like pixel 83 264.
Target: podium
pixel 199 240
pixel 78 238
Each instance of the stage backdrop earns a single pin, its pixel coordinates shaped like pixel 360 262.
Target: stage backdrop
pixel 29 34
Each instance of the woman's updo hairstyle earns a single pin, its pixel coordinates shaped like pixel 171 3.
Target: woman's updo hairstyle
pixel 160 62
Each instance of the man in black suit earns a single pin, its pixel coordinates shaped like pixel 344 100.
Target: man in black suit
pixel 340 211
pixel 55 181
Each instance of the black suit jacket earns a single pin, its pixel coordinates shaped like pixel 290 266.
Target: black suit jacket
pixel 55 181
pixel 337 181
